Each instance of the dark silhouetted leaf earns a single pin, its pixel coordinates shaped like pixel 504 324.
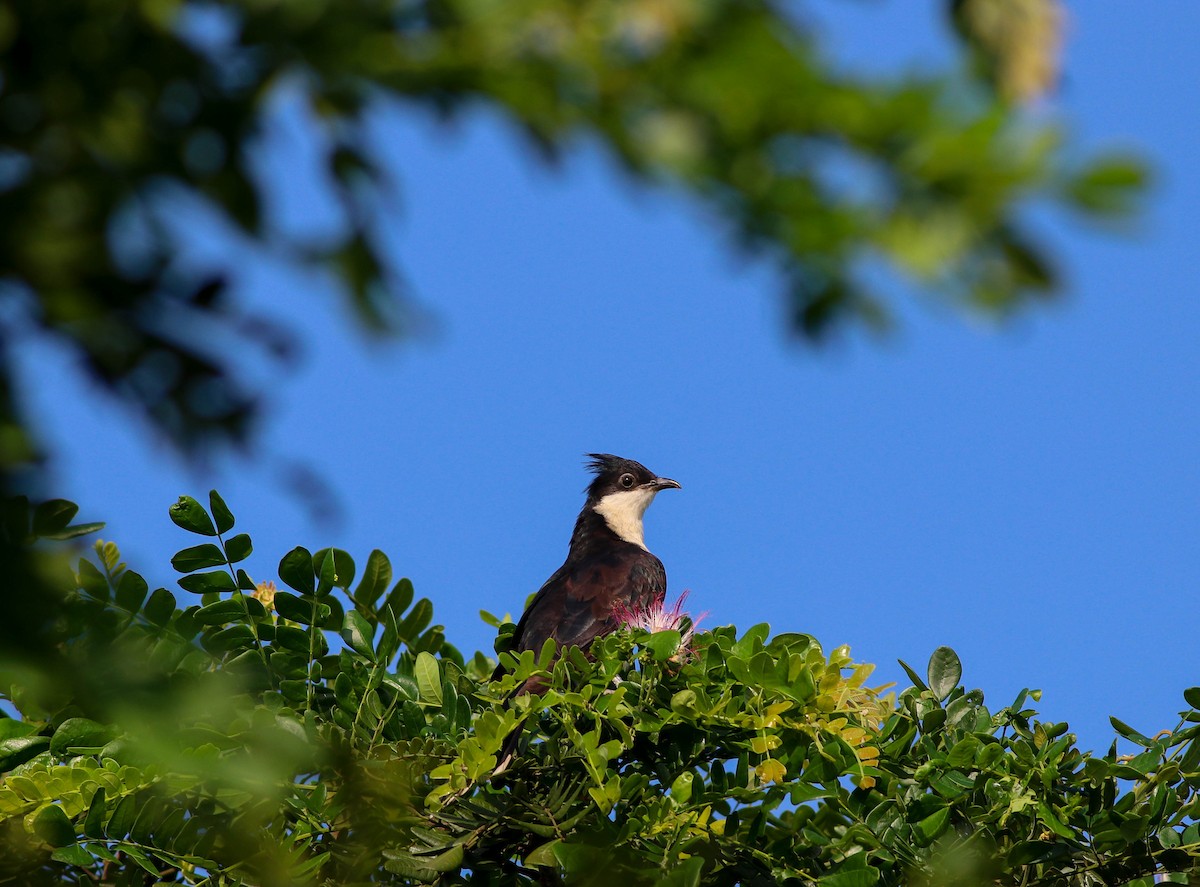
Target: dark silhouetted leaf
pixel 220 512
pixel 296 571
pixel 238 548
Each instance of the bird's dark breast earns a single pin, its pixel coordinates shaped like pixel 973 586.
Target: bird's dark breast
pixel 577 604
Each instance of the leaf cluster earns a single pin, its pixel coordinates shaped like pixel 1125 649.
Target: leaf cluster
pixel 322 731
pixel 119 119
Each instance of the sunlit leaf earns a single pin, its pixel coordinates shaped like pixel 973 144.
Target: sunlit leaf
pixel 945 671
pixel 429 679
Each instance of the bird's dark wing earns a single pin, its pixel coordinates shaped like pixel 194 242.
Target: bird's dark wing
pixel 576 604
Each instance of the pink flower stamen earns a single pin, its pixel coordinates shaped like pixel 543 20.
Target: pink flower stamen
pixel 657 616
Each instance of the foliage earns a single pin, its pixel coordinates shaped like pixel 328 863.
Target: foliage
pixel 324 732
pixel 123 123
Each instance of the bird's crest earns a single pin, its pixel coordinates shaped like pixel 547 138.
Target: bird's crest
pixel 600 463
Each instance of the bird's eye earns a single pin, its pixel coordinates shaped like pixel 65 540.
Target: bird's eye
pixel 626 481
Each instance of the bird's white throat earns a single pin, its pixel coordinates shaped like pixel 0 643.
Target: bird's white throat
pixel 623 511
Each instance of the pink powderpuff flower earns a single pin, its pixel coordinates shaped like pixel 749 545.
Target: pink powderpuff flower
pixel 657 616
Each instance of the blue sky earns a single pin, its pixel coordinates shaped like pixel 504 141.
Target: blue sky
pixel 1026 494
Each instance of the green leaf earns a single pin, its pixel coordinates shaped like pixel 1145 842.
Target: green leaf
pixel 75 531
pixel 198 557
pixel 912 675
pixel 93 823
pixel 16 750
pixel 945 671
pixel 1192 697
pixel 752 640
pixel 685 874
pixel 359 633
pixel 235 637
pixel 684 702
pixel 664 644
pixel 73 854
pixel 1130 733
pixel 92 580
pixel 79 733
pixel 220 512
pixel 299 610
pixel 139 856
pixel 296 571
pixel 1053 822
pixel 406 865
pixel 1109 186
pixel 376 577
pixel 238 548
pixel 10 728
pixel 54 827
pixel 216 582
pixel 191 516
pixel 227 610
pixel 932 826
pixel 399 598
pixel 446 862
pixel 865 877
pixel 543 855
pixel 429 679
pixel 415 622
pixel 334 567
pixel 160 607
pixel 131 591
pixel 293 638
pixel 53 516
pixel 123 817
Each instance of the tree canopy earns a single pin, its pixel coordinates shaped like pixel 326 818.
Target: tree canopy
pixel 122 123
pixel 324 731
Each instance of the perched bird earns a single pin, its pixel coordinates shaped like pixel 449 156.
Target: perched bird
pixel 607 569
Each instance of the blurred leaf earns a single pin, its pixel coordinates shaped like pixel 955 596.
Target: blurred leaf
pixel 1192 696
pixel 53 516
pixel 865 877
pixel 160 607
pixel 685 874
pixel 79 733
pixel 1110 186
pixel 131 591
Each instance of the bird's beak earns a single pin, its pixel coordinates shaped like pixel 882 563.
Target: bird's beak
pixel 665 483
